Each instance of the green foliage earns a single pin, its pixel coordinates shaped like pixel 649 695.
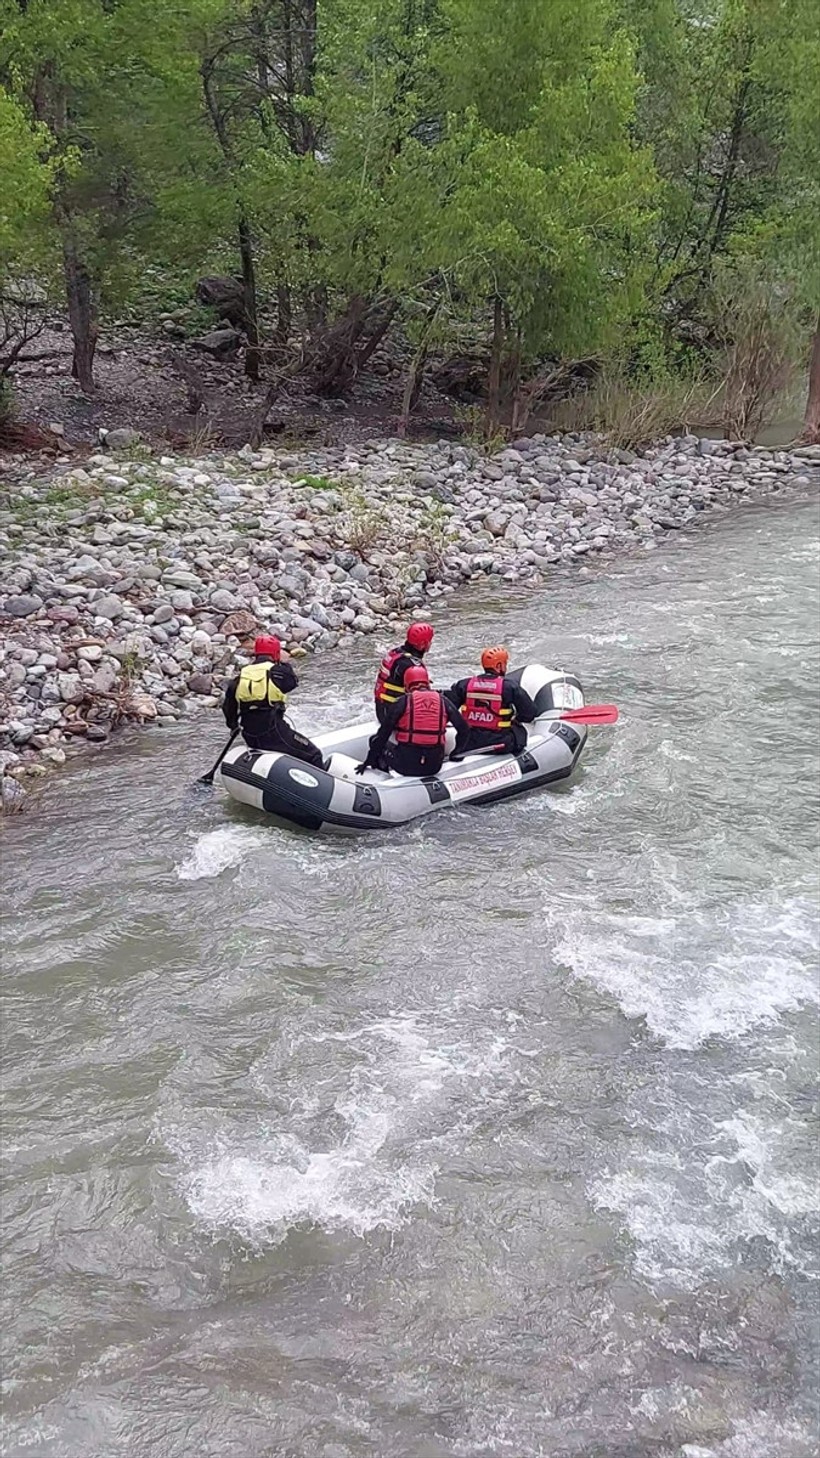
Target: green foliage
pixel 6 403
pixel 565 177
pixel 26 174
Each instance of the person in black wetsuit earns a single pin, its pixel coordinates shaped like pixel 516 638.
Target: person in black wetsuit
pixel 494 708
pixel 389 684
pixel 419 721
pixel 255 702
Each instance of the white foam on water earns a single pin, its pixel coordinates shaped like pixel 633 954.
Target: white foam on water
pixel 793 1195
pixel 699 974
pixel 672 750
pixel 217 850
pixel 695 1190
pixel 389 1077
pixel 762 1435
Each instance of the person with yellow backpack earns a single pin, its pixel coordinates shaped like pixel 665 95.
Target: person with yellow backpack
pixel 255 702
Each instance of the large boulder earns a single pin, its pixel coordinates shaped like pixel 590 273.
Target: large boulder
pixel 220 343
pixel 225 296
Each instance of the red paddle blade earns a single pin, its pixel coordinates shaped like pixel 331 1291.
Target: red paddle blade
pixel 592 714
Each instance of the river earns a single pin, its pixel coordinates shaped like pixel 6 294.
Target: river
pixel 492 1137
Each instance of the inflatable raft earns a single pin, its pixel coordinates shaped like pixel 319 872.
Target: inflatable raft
pixel 337 799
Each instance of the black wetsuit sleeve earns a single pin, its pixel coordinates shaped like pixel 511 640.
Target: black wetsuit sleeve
pixel 522 703
pixel 230 707
pixel 461 727
pixel 458 692
pixel 283 675
pixel 378 741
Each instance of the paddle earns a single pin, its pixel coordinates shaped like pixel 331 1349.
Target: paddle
pixel 592 714
pixel 208 779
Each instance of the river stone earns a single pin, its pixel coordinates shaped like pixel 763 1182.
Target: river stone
pixel 24 606
pixel 88 569
pixel 143 706
pixel 104 679
pixel 200 683
pixel 219 342
pixel 12 795
pixel 179 577
pixel 224 601
pixel 72 690
pixel 68 614
pixel 53 754
pixel 108 606
pixel 16 675
pixel 121 439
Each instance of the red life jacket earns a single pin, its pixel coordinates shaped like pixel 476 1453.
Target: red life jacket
pixel 484 707
pixel 387 691
pixel 424 720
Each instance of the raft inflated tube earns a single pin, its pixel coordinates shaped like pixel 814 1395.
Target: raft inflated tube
pixel 337 799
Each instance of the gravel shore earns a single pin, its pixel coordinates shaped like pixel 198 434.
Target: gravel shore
pixel 131 584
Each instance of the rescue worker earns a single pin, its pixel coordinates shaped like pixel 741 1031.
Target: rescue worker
pixel 494 708
pixel 255 702
pixel 390 682
pixel 419 720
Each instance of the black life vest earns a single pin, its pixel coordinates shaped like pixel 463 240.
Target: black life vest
pixel 387 691
pixel 484 706
pixel 423 721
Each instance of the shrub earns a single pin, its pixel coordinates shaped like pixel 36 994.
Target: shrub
pixel 758 335
pixel 629 413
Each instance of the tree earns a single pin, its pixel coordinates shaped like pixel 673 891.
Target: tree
pixel 534 205
pixel 26 239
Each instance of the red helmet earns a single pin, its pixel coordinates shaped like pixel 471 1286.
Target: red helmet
pixel 416 677
pixel 268 647
pixel 420 636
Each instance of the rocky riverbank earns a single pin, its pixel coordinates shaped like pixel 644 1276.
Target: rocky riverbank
pixel 131 583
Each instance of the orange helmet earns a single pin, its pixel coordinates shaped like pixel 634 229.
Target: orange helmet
pixel 495 660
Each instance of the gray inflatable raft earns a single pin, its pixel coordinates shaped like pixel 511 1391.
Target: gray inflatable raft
pixel 337 799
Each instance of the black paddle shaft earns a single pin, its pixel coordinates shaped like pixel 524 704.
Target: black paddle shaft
pixel 208 779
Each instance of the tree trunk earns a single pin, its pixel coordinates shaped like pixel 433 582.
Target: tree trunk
pixel 415 374
pixel 257 431
pixel 314 300
pixel 374 339
pixel 82 314
pixel 207 73
pixel 252 354
pixel 335 367
pixel 284 315
pixel 811 422
pixel 494 382
pixel 193 382
pixel 50 100
pixel 412 387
